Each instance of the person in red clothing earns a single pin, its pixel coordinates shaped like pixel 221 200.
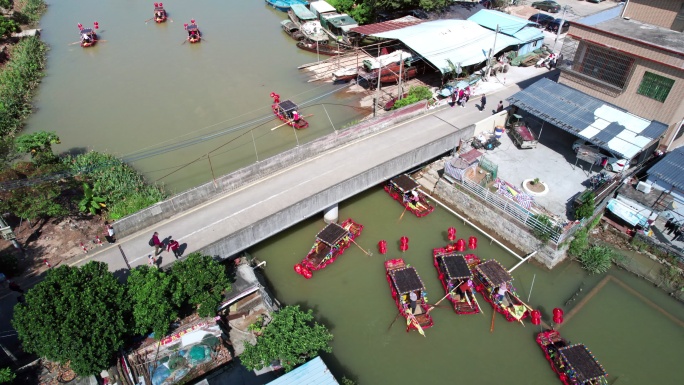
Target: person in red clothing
pixel 157 243
pixel 174 246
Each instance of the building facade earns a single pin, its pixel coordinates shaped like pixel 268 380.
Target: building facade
pixel 630 57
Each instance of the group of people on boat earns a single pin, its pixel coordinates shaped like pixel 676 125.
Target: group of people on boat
pixel 505 300
pixel 462 289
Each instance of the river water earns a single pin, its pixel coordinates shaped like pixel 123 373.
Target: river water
pixel 143 95
pixel 161 104
pixel 631 338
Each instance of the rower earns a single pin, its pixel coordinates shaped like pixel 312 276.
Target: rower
pixel 413 298
pixel 295 116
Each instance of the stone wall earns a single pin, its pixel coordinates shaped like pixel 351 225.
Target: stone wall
pixel 499 224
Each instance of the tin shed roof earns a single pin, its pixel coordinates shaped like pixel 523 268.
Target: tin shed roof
pixel 314 372
pixel 522 29
pixel 670 169
pixel 370 29
pixel 589 118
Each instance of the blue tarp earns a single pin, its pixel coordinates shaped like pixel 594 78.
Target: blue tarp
pixel 627 213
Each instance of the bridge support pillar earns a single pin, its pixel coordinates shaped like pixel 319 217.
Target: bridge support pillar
pixel 331 214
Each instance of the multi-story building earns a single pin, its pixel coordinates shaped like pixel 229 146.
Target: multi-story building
pixel 631 56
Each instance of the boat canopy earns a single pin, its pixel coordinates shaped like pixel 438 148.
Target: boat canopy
pixel 456 267
pixel 494 273
pixel 289 25
pixel 580 360
pixel 302 12
pixel 404 183
pixel 192 27
pixel 406 280
pixel 87 30
pixel 333 233
pixel 158 8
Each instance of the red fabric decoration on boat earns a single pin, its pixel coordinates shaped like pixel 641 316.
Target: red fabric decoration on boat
pixel 298 268
pixel 80 26
pixel 472 243
pixel 161 4
pixel 450 248
pixel 558 319
pixel 404 240
pixel 460 245
pixel 451 232
pixel 192 21
pixel 382 247
pixel 403 247
pixel 185 25
pixel 557 312
pixel 155 4
pixel 96 25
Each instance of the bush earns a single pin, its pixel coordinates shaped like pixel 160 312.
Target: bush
pixel 579 244
pixel 586 209
pixel 596 259
pixel 415 94
pixel 544 228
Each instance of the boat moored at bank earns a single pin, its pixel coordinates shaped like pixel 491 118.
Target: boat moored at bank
pixel 454 271
pixel 574 363
pixel 495 284
pixel 404 190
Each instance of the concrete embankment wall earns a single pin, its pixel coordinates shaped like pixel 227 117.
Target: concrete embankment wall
pixel 499 225
pixel 316 203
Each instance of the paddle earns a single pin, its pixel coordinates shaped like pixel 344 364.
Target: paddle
pixel 148 19
pixel 76 42
pixel 395 320
pixel 443 298
pixel 413 319
pixel 362 249
pixel 402 214
pixel 477 303
pixel 491 329
pixel 184 41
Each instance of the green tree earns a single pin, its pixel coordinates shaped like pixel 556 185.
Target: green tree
pixel 149 291
pixel 415 94
pixel 39 145
pixel 290 337
pixel 75 315
pixel 597 259
pixel 35 202
pixel 199 281
pixel 6 375
pixel 7 26
pixel 586 209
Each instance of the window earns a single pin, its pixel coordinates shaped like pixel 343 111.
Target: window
pixel 655 86
pixel 606 65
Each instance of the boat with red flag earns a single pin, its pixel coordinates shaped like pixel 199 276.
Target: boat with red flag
pixel 495 284
pixel 574 363
pixel 454 269
pixel 88 36
pixel 404 190
pixel 409 295
pixel 160 15
pixel 288 112
pixel 194 34
pixel 331 242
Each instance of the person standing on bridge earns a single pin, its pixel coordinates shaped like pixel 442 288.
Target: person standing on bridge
pixel 174 246
pixel 156 243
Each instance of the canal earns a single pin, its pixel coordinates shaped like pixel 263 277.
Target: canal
pixel 634 329
pixel 162 105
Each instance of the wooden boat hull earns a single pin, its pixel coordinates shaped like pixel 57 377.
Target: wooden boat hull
pixel 345 74
pixel 300 124
pixel 391 75
pixel 461 305
pixel 322 255
pixel 423 318
pixel 420 208
pixel 323 49
pixel 93 41
pixel 490 296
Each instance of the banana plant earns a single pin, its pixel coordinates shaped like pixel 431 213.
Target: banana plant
pixel 90 202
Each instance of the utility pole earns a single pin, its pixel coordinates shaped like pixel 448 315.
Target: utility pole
pixel 489 59
pixel 401 67
pixel 560 27
pixel 377 93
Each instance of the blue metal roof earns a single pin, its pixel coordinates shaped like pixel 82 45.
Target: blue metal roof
pixel 313 372
pixel 302 12
pixel 521 29
pixel 589 118
pixel 600 17
pixel 670 169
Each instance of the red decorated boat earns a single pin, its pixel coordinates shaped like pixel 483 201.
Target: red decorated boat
pixel 331 242
pixel 494 282
pixel 88 36
pixel 574 364
pixel 194 34
pixel 160 15
pixel 404 190
pixel 288 112
pixel 455 273
pixel 409 294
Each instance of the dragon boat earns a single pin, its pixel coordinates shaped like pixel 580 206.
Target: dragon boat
pixel 404 281
pixel 287 112
pixel 494 282
pixel 160 15
pixel 574 364
pixel 194 34
pixel 455 272
pixel 88 36
pixel 404 190
pixel 331 242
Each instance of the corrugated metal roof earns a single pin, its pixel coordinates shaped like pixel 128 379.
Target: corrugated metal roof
pixel 313 372
pixel 508 24
pixel 460 41
pixel 600 17
pixel 391 25
pixel 670 169
pixel 589 118
pixel 321 6
pixel 302 12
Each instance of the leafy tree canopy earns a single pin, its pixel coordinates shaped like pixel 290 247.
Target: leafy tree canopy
pixel 39 145
pixel 6 375
pixel 200 280
pixel 289 337
pixel 149 291
pixel 75 315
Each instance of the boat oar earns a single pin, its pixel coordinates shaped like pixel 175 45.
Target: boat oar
pixel 477 303
pixel 184 41
pixel 491 328
pixel 76 42
pixel 362 249
pixel 402 214
pixel 148 19
pixel 395 320
pixel 443 298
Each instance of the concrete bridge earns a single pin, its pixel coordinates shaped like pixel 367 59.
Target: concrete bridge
pixel 240 209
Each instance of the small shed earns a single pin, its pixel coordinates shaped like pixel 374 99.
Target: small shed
pixel 321 7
